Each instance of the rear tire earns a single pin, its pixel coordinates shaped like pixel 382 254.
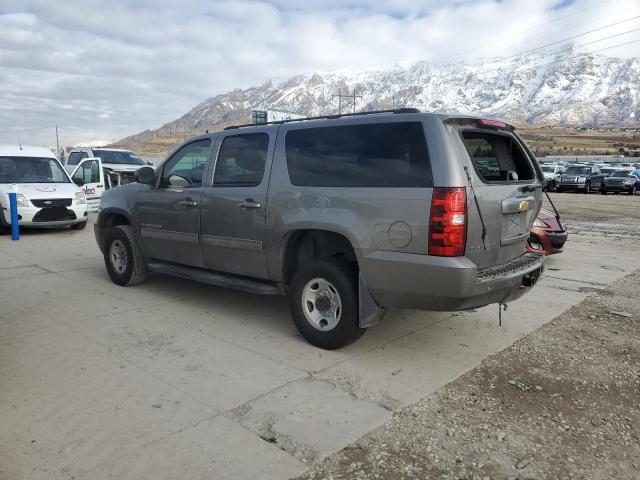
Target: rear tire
pixel 122 257
pixel 323 299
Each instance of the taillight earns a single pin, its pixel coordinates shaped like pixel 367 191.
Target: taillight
pixel 491 123
pixel 448 222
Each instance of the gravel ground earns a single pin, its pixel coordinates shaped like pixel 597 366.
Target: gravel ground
pixel 561 403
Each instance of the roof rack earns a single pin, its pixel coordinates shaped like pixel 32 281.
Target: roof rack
pixel 326 117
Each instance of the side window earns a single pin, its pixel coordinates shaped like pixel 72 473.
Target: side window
pixel 88 172
pixel 496 157
pixel 369 155
pixel 241 160
pixel 186 166
pixel 74 158
pixel 84 155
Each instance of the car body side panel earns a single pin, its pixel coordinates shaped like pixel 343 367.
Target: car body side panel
pixel 391 219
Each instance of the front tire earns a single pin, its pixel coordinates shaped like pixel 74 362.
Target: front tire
pixel 633 190
pixel 587 188
pixel 323 299
pixel 79 226
pixel 122 257
pixel 552 186
pixel 603 191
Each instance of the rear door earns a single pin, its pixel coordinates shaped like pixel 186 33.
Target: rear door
pixel 508 194
pixel 234 204
pixel 90 176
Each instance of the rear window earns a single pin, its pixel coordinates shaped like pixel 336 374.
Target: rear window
pixel 496 157
pixel 371 155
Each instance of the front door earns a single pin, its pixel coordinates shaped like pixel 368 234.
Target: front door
pixel 90 176
pixel 234 206
pixel 169 213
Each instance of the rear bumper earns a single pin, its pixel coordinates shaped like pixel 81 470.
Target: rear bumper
pixel 405 280
pixel 550 241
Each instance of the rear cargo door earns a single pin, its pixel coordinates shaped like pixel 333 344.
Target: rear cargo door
pixel 507 195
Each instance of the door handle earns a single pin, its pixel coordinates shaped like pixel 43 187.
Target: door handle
pixel 249 203
pixel 188 203
pixel 99 186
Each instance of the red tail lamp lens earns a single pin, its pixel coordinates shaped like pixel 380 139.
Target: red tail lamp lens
pixel 491 123
pixel 448 222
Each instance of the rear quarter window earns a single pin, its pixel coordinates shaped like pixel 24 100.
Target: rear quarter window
pixel 497 157
pixel 368 155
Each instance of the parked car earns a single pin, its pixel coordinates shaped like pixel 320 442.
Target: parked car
pixel 345 215
pixel 548 234
pixel 621 181
pixel 583 178
pixel 551 174
pixel 119 165
pixel 46 196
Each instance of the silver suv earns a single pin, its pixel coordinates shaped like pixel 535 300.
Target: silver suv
pixel 346 215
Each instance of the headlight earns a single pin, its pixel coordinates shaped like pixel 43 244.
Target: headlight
pixel 539 223
pixel 80 198
pixel 21 200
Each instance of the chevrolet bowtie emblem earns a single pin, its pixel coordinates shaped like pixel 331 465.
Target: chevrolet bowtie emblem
pixel 524 205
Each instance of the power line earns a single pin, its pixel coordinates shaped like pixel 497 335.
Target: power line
pixel 522 32
pixel 570 38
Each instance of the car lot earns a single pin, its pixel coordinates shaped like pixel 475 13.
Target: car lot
pixel 173 378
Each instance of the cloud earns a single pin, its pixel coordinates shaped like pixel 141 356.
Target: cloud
pixel 105 70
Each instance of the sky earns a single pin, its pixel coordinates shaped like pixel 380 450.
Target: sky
pixel 102 70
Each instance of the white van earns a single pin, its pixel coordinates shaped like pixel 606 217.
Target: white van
pixel 46 194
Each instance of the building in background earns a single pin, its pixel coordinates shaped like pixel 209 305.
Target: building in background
pixel 273 115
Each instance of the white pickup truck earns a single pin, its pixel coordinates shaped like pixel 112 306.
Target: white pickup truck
pixel 118 167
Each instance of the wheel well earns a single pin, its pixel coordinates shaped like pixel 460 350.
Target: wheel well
pixel 111 220
pixel 306 245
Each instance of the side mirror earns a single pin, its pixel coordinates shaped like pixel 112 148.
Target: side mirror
pixel 78 181
pixel 150 164
pixel 146 175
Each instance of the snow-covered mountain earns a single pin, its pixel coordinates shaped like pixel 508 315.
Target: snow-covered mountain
pixel 565 89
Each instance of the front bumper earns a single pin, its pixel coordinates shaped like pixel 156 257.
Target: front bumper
pixel 550 241
pixel 404 280
pixel 570 186
pixel 616 188
pixel 38 217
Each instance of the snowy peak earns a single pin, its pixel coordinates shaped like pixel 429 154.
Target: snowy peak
pixel 574 90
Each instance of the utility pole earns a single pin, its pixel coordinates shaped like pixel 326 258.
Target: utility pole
pixel 57 143
pixel 340 96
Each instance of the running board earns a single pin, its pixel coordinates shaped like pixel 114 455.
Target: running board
pixel 218 279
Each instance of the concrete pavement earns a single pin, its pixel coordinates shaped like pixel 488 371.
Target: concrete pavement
pixel 173 378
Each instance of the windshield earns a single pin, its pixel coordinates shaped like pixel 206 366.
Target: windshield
pixel 607 171
pixel 622 174
pixel 578 171
pixel 548 169
pixel 31 170
pixel 111 156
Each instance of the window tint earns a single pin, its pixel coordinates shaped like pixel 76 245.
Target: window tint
pixel 186 166
pixel 497 158
pixel 74 158
pixel 241 160
pixel 371 155
pixel 88 172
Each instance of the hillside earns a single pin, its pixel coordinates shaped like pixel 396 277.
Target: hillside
pixel 570 91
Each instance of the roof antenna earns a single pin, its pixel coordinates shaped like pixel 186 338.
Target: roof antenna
pixel 19 143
